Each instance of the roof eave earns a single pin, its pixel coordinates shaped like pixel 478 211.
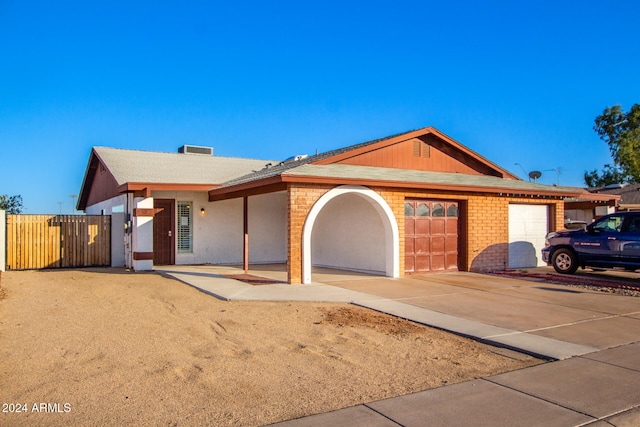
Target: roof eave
pixel 429 186
pixel 629 206
pixel 266 185
pixel 587 196
pixel 253 187
pixel 145 188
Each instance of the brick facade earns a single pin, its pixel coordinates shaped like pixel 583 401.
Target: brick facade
pixel 300 199
pixel 484 223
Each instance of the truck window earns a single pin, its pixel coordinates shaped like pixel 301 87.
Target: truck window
pixel 612 224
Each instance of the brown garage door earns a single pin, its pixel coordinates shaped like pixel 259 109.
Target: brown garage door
pixel 431 236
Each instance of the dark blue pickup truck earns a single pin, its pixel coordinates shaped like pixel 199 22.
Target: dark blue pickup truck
pixel 612 241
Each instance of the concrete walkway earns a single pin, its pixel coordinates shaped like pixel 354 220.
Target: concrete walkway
pixel 594 335
pixel 599 389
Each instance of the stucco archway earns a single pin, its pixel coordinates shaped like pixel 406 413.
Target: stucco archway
pixel 388 219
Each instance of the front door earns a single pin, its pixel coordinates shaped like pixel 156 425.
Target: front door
pixel 431 236
pixel 164 232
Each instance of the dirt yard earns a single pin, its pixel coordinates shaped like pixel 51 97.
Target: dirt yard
pixel 111 347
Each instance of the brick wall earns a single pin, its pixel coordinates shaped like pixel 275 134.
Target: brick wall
pixel 395 200
pixel 300 199
pixel 484 224
pixel 487 233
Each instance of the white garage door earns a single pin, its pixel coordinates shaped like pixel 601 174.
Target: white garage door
pixel 528 226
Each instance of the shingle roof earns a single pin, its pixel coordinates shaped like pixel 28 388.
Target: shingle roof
pixel 629 193
pixel 304 168
pixel 128 166
pixel 370 173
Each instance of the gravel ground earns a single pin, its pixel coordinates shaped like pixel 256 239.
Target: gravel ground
pixel 610 282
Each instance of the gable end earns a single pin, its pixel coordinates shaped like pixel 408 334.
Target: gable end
pixel 455 159
pixel 424 150
pixel 99 184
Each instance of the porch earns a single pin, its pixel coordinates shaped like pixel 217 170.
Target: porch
pixel 264 282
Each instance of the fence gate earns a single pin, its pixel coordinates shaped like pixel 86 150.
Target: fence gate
pixel 58 241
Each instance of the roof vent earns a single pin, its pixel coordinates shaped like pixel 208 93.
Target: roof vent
pixel 296 158
pixel 194 149
pixel 614 186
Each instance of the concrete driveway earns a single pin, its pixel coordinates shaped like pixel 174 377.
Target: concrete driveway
pixel 583 317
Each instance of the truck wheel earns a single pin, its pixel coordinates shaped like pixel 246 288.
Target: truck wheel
pixel 564 261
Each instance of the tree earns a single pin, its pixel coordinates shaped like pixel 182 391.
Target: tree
pixel 13 204
pixel 610 175
pixel 621 131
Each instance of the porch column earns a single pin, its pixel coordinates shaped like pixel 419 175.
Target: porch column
pixel 142 234
pixel 245 226
pixel 297 209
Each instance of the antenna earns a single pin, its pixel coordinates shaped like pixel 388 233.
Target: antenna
pixel 557 170
pixel 73 203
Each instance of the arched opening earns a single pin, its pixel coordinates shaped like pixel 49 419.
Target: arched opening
pixel 351 227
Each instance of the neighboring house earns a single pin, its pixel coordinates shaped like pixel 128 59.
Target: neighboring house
pixel 628 194
pixel 410 203
pixel 601 201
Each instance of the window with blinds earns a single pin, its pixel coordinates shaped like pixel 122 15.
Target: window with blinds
pixel 185 227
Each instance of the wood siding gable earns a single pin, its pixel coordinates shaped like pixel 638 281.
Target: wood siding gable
pixel 423 150
pixel 104 186
pixel 99 183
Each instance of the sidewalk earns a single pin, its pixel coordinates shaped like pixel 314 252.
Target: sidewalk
pixel 595 337
pixel 599 389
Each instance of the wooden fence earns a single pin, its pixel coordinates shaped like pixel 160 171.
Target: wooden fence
pixel 58 241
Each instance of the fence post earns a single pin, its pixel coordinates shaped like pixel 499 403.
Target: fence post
pixel 3 239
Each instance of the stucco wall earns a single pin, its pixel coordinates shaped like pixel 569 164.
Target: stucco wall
pixel 268 228
pixel 142 236
pixel 218 232
pixel 215 231
pixel 348 233
pixel 116 208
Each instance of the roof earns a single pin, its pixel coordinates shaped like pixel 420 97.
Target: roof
pixel 136 169
pixel 413 177
pixel 324 168
pixel 629 194
pixel 324 158
pixel 369 175
pixel 128 166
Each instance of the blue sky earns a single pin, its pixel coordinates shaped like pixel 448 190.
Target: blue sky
pixel 518 82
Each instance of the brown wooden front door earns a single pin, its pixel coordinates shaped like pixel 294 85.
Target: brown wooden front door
pixel 164 232
pixel 431 236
